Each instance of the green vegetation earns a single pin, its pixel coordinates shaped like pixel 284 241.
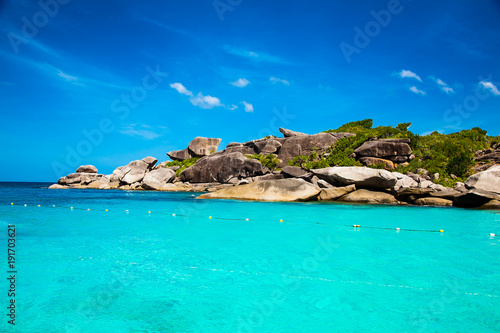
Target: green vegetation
pixel 270 161
pixel 182 164
pixel 445 154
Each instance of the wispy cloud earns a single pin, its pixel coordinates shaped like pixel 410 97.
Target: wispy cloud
pixel 241 83
pixel 417 91
pixel 490 87
pixel 67 77
pixel 409 74
pixel 276 80
pixel 200 100
pixel 232 107
pixel 143 131
pixel 444 87
pixel 255 56
pixel 181 89
pixel 248 107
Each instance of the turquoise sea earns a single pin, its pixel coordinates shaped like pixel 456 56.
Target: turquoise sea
pixel 138 268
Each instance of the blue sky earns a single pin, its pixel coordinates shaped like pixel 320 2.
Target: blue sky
pixel 107 82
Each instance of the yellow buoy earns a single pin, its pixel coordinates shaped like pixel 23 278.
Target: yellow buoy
pixel 38 205
pixel 281 221
pixel 149 212
pixel 71 207
pixel 210 217
pixel 441 230
pixel 106 210
pixel 12 203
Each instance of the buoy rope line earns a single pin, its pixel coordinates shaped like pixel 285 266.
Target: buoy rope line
pixel 355 226
pixel 335 281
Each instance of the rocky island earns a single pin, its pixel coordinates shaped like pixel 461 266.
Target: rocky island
pixel 355 163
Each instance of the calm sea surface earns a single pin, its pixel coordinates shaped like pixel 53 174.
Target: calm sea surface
pixel 232 266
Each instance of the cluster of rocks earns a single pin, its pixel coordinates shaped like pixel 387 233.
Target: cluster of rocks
pixel 372 186
pixel 386 152
pixel 487 158
pixel 231 174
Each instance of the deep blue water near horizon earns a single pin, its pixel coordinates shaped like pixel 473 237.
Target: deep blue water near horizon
pixel 138 268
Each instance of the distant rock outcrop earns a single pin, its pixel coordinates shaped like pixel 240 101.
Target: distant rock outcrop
pixel 289 133
pixel 87 169
pixel 158 178
pixel 198 147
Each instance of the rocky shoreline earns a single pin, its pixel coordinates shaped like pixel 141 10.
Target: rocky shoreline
pixel 235 173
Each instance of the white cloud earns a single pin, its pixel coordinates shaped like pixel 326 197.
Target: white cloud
pixel 181 89
pixel 205 102
pixel 443 85
pixel 276 80
pixel 232 107
pixel 404 73
pixel 490 86
pixel 448 90
pixel 417 91
pixel 67 77
pixel 143 131
pixel 248 107
pixel 240 83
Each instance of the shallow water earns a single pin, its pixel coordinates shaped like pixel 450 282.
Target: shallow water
pixel 128 270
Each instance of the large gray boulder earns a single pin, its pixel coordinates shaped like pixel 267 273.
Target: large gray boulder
pixel 293 171
pixel 369 197
pixel 360 176
pixel 133 172
pixel 268 190
pixel 332 194
pixel 488 180
pixel 289 133
pixel 269 146
pixel 200 146
pixel 179 155
pixel 158 178
pixel 79 178
pixel 396 150
pixel 221 168
pixel 150 161
pixel 87 169
pixel 304 145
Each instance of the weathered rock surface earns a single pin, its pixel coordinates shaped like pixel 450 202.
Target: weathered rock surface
pixel 58 187
pixel 221 168
pixel 269 146
pixel 433 201
pixel 289 133
pixel 201 146
pixel 403 182
pixel 488 180
pixel 388 165
pixel 87 169
pixel 362 177
pixel 304 145
pixel 179 155
pixel 366 196
pixel 492 204
pixel 293 172
pixel 396 150
pixel 268 190
pixel 158 178
pixel 178 187
pixel 133 172
pixel 332 194
pixel 150 161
